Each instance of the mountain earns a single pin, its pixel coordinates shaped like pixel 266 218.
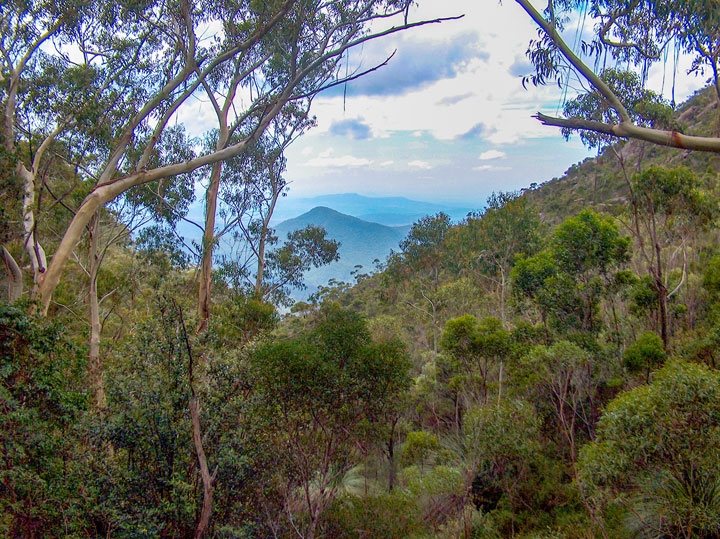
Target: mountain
pixel 361 242
pixel 390 211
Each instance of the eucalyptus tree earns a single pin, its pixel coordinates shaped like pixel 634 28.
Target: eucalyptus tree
pixel 251 186
pixel 422 257
pixel 668 206
pixel 637 33
pixel 317 401
pixel 490 240
pixel 655 455
pixel 567 280
pixel 102 82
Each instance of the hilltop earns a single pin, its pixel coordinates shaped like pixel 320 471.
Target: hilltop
pixel 361 242
pixel 389 211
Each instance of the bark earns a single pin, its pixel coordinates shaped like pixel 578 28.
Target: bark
pixel 35 252
pixel 14 275
pixel 673 139
pixel 391 456
pixel 208 245
pixel 626 128
pixel 107 192
pixel 662 308
pixel 109 186
pixel 275 179
pixel 95 366
pixel 503 286
pixel 207 478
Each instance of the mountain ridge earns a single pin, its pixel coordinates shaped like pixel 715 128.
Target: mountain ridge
pixel 361 243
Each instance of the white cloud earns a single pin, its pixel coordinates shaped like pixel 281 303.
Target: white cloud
pixel 490 92
pixel 328 160
pixel 491 168
pixel 491 154
pixel 307 150
pixel 386 163
pixel 423 165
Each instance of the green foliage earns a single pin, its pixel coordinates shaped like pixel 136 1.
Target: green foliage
pixel 711 276
pixel 304 249
pixel 386 515
pixel 42 469
pixel 490 241
pixel 589 243
pixel 645 354
pixel 467 338
pixel 501 444
pixel 419 447
pixel 568 279
pixel 645 106
pixel 675 193
pixel 460 337
pixel 657 449
pixel 328 387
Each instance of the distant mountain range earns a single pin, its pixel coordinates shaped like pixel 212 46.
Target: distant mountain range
pixel 361 242
pixel 367 228
pixel 390 211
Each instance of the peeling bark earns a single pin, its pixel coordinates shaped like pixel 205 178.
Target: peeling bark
pixel 95 366
pixel 207 479
pixel 14 275
pixel 35 252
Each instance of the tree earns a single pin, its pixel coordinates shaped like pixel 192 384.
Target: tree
pixel 656 454
pixel 477 350
pixel 488 242
pixel 422 254
pixel 669 205
pixel 107 112
pixel 244 191
pixel 564 372
pixel 500 450
pixel 636 31
pixel 645 354
pixel 324 389
pixel 568 279
pixel 42 467
pixel 285 266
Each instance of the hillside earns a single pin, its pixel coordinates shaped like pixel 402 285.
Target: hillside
pixel 598 183
pixel 361 242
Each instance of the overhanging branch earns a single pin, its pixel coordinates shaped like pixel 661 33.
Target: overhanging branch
pixel 672 139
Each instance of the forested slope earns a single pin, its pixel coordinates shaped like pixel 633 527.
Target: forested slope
pixel 547 368
pixel 599 182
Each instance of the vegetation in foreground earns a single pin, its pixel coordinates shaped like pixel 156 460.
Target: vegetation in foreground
pixel 547 368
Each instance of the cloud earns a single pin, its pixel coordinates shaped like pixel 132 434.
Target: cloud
pixel 327 160
pixel 354 129
pixel 423 165
pixel 454 99
pixel 416 64
pixel 478 130
pixel 387 163
pixel 491 168
pixel 521 67
pixel 491 154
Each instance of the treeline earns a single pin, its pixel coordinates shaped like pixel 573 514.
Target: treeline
pixel 499 377
pixel 565 378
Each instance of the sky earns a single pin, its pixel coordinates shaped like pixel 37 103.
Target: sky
pixel 448 119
